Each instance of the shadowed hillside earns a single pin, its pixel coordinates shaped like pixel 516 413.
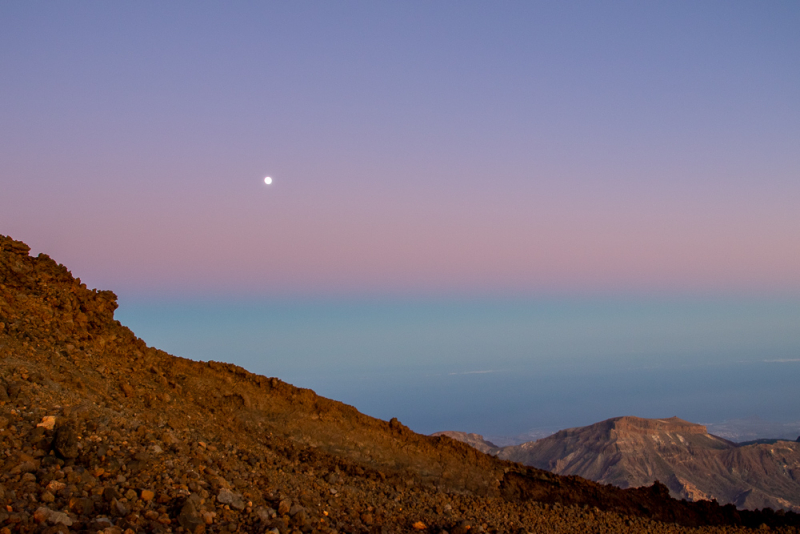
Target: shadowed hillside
pixel 102 433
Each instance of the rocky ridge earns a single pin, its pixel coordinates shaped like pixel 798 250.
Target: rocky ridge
pixel 99 432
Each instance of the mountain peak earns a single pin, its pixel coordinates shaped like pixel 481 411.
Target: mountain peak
pixel 630 423
pixel 632 452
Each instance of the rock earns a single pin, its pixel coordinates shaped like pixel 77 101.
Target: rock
pixel 230 498
pixel 40 515
pixel 119 508
pixel 284 506
pixel 102 523
pixel 397 426
pixel 147 495
pixel 47 497
pixel 3 393
pixel 36 437
pixel 190 519
pixel 13 389
pixel 16 247
pixel 49 461
pixel 419 525
pixel 48 422
pixel 81 506
pixel 23 464
pixel 52 517
pixel 65 442
pixel 55 485
pixel 169 439
pixel 127 389
pixel 264 514
pixel 196 500
pixel 300 518
pixel 109 494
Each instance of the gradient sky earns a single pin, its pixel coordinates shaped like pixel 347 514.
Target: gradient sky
pixel 416 147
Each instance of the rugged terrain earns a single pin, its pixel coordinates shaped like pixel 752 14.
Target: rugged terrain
pixel 632 452
pixel 99 432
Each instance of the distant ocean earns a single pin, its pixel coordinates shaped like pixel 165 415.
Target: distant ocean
pixel 504 367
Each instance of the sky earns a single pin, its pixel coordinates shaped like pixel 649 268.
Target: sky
pixel 416 148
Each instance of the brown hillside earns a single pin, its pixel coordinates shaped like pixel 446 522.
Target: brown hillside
pixel 100 432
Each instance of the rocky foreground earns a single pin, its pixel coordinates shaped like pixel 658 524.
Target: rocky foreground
pixel 99 432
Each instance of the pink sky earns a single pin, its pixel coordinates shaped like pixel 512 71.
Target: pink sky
pixel 415 149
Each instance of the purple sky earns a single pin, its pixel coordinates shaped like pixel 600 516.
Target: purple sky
pixel 416 147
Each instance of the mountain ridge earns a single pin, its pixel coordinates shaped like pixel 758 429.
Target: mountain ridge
pixel 631 452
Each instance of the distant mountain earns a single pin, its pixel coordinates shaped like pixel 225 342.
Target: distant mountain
pixel 695 465
pixel 474 440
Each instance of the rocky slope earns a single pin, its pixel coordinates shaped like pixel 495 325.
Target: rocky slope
pixel 694 465
pixel 99 432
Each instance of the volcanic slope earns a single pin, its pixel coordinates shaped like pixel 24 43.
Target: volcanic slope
pixel 694 465
pixel 100 432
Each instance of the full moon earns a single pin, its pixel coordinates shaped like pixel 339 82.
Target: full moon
pixel 267 180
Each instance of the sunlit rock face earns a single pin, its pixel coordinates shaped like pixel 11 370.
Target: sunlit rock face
pixel 694 465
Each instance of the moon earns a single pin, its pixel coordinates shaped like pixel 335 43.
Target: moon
pixel 268 180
